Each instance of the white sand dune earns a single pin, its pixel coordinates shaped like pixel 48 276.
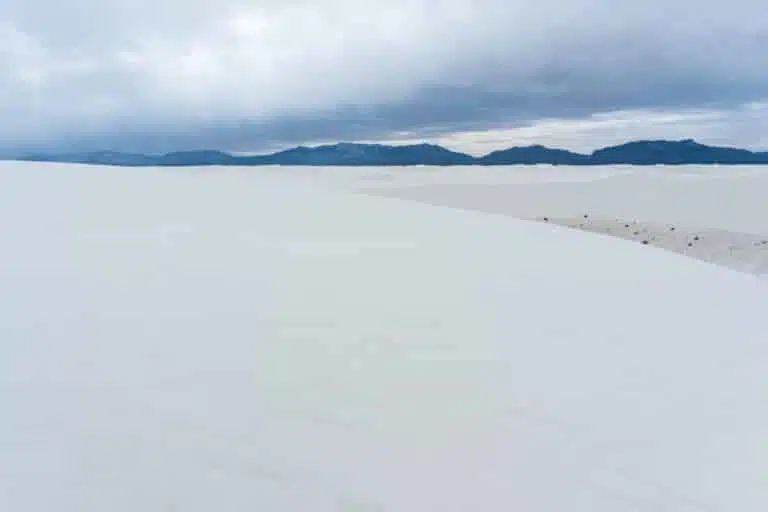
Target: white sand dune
pixel 722 212
pixel 234 340
pixel 739 251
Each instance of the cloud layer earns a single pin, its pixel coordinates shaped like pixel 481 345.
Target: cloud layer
pixel 176 74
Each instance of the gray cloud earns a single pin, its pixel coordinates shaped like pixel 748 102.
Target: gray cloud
pixel 158 76
pixel 745 126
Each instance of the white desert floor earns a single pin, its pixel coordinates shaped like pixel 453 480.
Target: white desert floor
pixel 714 214
pixel 276 340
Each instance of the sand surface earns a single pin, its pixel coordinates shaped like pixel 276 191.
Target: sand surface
pixel 714 214
pixel 229 340
pixel 744 252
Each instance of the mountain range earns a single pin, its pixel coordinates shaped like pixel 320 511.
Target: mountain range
pixel 644 152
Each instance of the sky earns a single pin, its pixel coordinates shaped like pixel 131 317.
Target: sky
pixel 477 75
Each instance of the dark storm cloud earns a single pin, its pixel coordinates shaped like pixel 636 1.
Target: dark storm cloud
pixel 237 75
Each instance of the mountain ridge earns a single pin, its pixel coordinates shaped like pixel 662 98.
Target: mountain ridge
pixel 639 152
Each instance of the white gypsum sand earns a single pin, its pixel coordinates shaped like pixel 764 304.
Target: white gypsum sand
pixel 230 339
pixel 739 251
pixel 715 214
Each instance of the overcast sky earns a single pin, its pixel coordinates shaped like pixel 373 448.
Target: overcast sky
pixel 160 75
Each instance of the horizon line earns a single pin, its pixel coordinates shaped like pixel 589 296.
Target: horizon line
pixel 420 142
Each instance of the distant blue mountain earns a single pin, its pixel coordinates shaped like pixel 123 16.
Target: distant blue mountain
pixel 652 152
pixel 97 157
pixel 368 154
pixel 647 152
pixel 195 158
pixel 531 155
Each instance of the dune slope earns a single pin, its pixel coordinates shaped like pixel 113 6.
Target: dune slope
pixel 230 340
